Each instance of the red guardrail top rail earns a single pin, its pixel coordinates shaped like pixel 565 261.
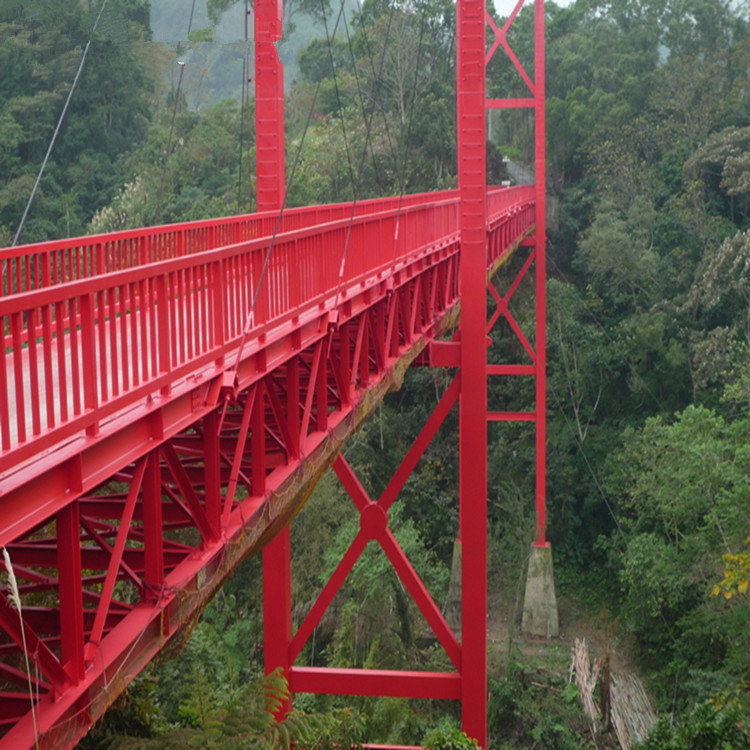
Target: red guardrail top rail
pixel 44 264
pixel 78 352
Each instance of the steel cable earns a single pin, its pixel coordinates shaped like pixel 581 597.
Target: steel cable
pixel 256 294
pixel 57 130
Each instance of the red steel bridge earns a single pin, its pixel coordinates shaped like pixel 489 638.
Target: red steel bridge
pixel 199 378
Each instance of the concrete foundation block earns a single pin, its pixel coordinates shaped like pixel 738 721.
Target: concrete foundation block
pixel 453 606
pixel 540 603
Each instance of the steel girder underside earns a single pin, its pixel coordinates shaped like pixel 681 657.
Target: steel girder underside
pixel 117 548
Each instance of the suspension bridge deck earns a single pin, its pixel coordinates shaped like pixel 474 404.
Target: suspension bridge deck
pixel 168 399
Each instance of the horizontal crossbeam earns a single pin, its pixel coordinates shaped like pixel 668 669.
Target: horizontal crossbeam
pixel 376 682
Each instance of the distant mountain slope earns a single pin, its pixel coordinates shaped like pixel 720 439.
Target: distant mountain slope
pixel 213 69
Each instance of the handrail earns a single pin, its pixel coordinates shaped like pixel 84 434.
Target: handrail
pixel 54 262
pixel 80 351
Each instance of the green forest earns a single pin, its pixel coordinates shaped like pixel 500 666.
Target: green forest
pixel 648 147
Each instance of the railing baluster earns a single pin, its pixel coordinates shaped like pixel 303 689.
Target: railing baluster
pixel 113 358
pixel 88 354
pixel 34 390
pixel 176 332
pixel 4 395
pixel 62 375
pixel 16 323
pixel 191 312
pixel 101 327
pixel 132 319
pixel 75 362
pixel 218 306
pixel 152 327
pixel 143 327
pixel 163 329
pixel 122 304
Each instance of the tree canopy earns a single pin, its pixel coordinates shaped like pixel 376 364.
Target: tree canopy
pixel 108 115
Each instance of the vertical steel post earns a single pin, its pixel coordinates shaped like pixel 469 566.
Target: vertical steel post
pixel 269 105
pixel 71 592
pixel 277 607
pixel 270 188
pixel 472 181
pixel 540 175
pixel 212 476
pixel 153 541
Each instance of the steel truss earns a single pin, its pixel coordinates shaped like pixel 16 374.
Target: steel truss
pixel 156 541
pixel 143 525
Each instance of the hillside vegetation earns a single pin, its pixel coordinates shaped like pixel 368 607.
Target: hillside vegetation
pixel 649 328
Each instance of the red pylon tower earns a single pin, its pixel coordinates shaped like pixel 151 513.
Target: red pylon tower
pixel 270 159
pixel 468 351
pixel 473 59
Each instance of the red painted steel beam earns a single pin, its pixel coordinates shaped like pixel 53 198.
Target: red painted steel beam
pixel 540 253
pixel 269 106
pixel 376 682
pixel 471 124
pixel 374 526
pixel 423 599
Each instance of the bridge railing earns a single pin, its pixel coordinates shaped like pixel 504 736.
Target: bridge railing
pixel 78 352
pixel 44 264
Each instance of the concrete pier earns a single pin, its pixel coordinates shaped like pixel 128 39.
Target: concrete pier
pixel 540 603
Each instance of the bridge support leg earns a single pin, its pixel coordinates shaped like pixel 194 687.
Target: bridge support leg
pixel 472 415
pixel 71 598
pixel 277 607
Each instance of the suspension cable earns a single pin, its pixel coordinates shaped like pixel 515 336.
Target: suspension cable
pixel 57 130
pixel 412 105
pixel 244 111
pixel 361 98
pixel 181 64
pixel 377 99
pixel 329 45
pixel 266 261
pixel 360 173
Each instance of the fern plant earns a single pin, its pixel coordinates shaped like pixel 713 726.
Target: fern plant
pixel 248 722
